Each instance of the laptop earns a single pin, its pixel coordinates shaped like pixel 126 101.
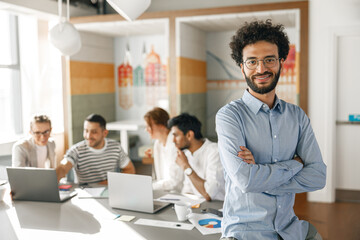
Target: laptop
pixel 132 192
pixel 36 184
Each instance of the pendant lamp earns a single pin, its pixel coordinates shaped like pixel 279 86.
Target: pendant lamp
pixel 64 35
pixel 130 9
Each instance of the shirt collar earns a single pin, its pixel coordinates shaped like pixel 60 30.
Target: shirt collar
pixel 255 104
pixel 278 104
pixel 95 150
pixel 200 149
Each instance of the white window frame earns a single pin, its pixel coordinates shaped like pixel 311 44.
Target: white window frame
pixel 16 105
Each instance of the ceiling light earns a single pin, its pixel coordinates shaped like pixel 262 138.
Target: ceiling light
pixel 64 35
pixel 65 38
pixel 130 9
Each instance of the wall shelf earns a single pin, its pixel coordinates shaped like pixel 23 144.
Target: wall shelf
pixel 347 123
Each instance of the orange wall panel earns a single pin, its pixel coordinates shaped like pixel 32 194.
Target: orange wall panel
pixel 91 78
pixel 191 76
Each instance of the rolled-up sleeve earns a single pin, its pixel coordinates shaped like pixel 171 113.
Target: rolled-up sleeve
pixel 214 182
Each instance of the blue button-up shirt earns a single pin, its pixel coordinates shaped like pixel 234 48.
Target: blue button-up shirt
pixel 260 197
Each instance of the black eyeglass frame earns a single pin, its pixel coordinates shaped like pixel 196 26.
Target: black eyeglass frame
pixel 257 62
pixel 44 133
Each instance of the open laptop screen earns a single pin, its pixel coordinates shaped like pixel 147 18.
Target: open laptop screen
pixel 132 192
pixel 35 184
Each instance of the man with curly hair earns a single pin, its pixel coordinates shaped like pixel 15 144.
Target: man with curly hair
pixel 267 146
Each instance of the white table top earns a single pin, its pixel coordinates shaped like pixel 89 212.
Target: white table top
pixel 87 219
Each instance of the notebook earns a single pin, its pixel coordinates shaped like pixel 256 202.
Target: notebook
pixel 36 184
pixel 132 192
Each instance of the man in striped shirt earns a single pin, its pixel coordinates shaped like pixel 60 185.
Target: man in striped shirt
pixel 96 155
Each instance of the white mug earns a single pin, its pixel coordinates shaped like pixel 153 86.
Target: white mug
pixel 182 211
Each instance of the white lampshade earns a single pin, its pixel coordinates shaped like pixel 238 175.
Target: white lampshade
pixel 130 9
pixel 66 38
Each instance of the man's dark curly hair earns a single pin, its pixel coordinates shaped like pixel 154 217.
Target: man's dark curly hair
pixel 253 32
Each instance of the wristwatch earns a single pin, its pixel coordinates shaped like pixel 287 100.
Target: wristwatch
pixel 188 171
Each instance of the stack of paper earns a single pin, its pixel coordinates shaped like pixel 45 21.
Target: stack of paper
pixel 174 198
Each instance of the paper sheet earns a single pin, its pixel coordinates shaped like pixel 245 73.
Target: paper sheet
pixel 125 218
pixel 165 224
pixel 93 192
pixel 206 223
pixel 174 198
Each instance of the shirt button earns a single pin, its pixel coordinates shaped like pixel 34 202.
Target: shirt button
pixel 275 160
pixel 264 106
pixel 274 136
pixel 279 206
pixel 267 191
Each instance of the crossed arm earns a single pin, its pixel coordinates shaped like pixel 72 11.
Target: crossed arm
pixel 246 155
pixel 301 174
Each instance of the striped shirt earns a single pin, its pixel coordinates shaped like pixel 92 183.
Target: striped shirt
pixel 91 165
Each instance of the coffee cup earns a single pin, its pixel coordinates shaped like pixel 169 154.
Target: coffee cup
pixel 182 210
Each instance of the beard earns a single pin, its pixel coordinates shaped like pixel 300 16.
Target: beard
pixel 186 146
pixel 263 90
pixel 93 144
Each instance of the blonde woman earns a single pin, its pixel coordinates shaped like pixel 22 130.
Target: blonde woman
pixel 38 150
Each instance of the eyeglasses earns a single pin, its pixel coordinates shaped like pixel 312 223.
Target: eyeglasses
pixel 38 134
pixel 269 62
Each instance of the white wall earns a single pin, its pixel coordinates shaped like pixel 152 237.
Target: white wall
pixel 190 42
pixel 339 16
pixel 95 48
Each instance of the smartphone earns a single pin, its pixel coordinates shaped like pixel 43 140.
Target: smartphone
pixel 212 211
pixel 65 187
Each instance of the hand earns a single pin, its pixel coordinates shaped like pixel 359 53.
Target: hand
pixel 297 158
pixel 60 173
pixel 182 160
pixel 246 155
pixel 63 168
pixel 148 153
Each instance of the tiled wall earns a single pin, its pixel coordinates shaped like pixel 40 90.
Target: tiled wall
pixel 92 84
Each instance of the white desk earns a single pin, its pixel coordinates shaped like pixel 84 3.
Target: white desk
pixel 125 126
pixel 87 219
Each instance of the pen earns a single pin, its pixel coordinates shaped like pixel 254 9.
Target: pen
pixel 170 199
pixel 117 216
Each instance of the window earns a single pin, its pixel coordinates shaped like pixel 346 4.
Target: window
pixel 10 91
pixel 30 75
